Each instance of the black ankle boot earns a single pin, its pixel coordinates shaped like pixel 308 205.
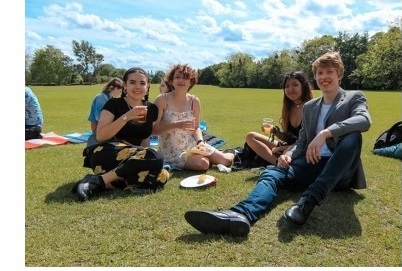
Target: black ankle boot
pixel 299 212
pixel 89 186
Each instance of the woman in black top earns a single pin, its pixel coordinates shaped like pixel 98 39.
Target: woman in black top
pixel 124 159
pixel 296 91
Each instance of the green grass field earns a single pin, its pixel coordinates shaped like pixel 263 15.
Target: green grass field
pixel 356 228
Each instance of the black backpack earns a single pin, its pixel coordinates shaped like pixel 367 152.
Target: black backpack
pixel 390 137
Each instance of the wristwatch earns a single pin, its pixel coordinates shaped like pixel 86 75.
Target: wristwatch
pixel 124 117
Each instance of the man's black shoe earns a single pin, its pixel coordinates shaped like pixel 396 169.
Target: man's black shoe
pixel 299 212
pixel 222 222
pixel 87 187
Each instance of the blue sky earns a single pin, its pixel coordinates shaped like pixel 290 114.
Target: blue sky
pixel 157 34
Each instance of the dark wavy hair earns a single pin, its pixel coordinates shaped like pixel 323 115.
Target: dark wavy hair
pixel 307 94
pixel 136 70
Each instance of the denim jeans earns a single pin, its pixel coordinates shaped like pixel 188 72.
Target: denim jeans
pixel 317 180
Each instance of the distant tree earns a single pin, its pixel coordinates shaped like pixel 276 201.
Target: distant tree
pixel 119 73
pixel 157 77
pixel 207 76
pixel 310 50
pixel 350 47
pixel 235 72
pixel 51 66
pixel 105 69
pixel 87 58
pixel 381 66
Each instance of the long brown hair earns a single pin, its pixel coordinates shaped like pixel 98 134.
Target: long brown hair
pixel 307 94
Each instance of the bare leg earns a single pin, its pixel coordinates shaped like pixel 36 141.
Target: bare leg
pixel 110 177
pixel 197 162
pixel 218 157
pixel 261 145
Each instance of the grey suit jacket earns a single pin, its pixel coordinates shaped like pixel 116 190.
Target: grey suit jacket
pixel 348 113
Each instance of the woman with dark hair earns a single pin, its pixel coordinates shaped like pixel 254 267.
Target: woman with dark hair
pixel 296 91
pixel 123 158
pixel 111 89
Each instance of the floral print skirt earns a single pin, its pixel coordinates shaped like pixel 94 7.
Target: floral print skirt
pixel 138 167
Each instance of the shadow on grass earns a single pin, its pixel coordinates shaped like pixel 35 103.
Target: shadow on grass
pixel 333 219
pixel 63 194
pixel 206 238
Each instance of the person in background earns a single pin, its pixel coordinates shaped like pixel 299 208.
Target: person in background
pixel 325 157
pixel 296 91
pixel 164 86
pixel 178 125
pixel 33 115
pixel 112 89
pixel 120 156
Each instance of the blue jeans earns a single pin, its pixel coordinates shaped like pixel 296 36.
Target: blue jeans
pixel 334 172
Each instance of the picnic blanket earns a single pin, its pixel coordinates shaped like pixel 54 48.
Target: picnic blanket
pixel 53 139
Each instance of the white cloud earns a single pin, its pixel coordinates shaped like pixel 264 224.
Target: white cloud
pixel 202 32
pixel 32 35
pixel 214 7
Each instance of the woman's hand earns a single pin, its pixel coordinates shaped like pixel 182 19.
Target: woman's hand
pixel 279 149
pixel 137 113
pixel 188 125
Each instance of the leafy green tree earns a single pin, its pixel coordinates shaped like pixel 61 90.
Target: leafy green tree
pixel 157 77
pixel 350 47
pixel 51 66
pixel 87 58
pixel 235 72
pixel 381 67
pixel 310 50
pixel 207 76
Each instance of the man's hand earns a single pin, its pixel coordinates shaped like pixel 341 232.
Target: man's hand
pixel 313 149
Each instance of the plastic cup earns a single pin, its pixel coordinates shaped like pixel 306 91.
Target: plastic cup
pixel 267 125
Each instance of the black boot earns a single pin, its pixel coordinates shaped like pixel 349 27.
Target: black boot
pixel 89 186
pixel 299 212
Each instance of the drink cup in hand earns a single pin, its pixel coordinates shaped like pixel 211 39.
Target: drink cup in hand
pixel 191 127
pixel 267 125
pixel 143 114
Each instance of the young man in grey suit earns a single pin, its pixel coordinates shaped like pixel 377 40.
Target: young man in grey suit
pixel 325 157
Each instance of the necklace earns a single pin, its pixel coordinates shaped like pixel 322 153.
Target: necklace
pixel 298 105
pixel 129 106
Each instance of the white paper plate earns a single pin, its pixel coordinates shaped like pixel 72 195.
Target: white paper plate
pixel 194 181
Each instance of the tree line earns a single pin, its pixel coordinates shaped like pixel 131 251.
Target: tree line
pixel 371 63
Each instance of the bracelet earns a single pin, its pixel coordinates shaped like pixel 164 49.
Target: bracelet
pixel 199 141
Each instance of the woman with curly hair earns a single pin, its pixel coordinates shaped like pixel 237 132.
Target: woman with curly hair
pixel 180 137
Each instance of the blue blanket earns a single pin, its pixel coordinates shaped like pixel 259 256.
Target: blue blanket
pixel 394 151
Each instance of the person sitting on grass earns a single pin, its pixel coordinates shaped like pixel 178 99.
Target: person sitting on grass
pixel 296 91
pixel 325 157
pixel 111 89
pixel 121 157
pixel 178 125
pixel 33 115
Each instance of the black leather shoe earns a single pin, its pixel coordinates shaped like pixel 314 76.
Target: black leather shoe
pixel 222 222
pixel 299 212
pixel 88 186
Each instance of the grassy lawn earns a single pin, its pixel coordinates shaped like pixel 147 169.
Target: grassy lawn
pixel 355 228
